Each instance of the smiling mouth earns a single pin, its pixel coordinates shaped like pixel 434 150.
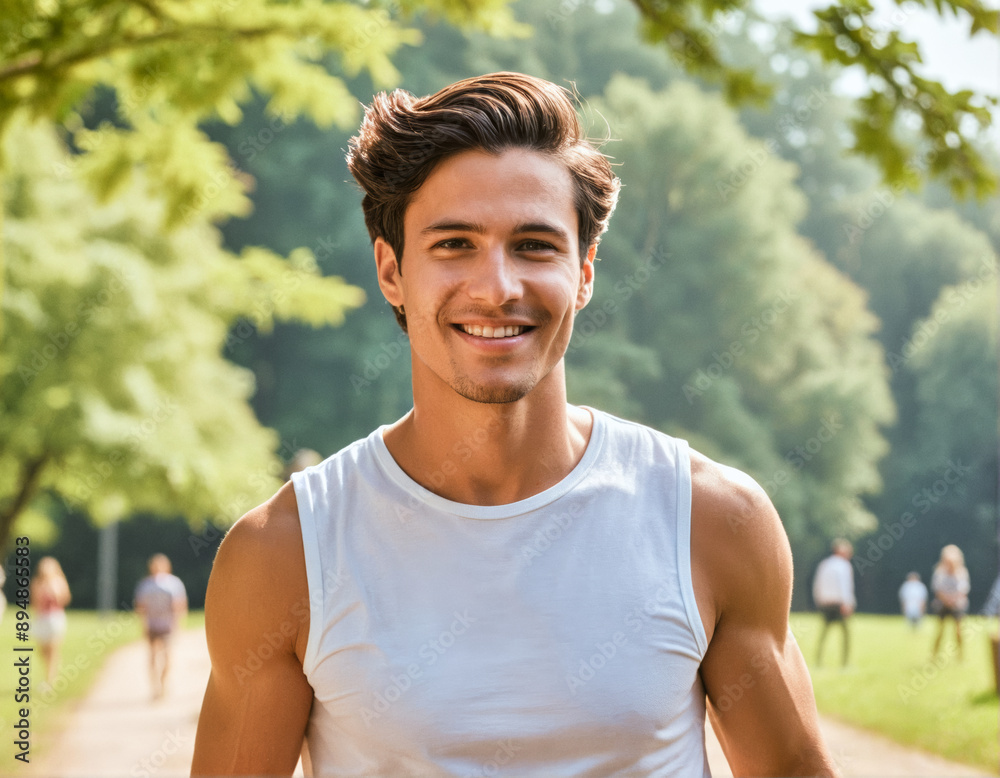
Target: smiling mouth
pixel 487 331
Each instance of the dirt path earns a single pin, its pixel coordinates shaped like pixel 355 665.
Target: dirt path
pixel 119 731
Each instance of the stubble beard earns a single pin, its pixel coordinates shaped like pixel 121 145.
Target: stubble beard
pixel 492 395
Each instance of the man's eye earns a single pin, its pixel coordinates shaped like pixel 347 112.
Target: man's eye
pixel 452 243
pixel 536 245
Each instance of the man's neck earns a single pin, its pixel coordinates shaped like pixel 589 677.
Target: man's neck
pixel 490 453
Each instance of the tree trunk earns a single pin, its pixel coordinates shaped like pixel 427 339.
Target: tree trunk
pixel 29 485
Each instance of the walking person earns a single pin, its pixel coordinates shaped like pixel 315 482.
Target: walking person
pixel 950 584
pixel 499 576
pixel 913 599
pixel 833 593
pixel 161 602
pixel 49 595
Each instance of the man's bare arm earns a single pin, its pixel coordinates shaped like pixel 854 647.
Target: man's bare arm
pixel 760 695
pixel 257 703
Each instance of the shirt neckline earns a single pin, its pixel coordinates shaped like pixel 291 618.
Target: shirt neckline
pixel 398 476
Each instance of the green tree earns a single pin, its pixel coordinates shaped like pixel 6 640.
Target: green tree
pixel 956 377
pixel 114 395
pixel 898 97
pixel 944 477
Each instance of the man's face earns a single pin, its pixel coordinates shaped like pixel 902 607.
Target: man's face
pixel 491 276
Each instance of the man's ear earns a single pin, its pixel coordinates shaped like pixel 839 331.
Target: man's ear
pixel 389 280
pixel 586 290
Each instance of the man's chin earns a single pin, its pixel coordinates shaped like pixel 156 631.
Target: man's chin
pixel 496 394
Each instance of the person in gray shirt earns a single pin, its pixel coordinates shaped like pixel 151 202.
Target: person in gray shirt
pixel 161 601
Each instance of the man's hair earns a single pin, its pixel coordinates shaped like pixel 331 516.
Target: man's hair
pixel 403 138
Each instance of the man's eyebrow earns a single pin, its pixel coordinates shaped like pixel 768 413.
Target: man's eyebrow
pixel 450 226
pixel 454 227
pixel 551 229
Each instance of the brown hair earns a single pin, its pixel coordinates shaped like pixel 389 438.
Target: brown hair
pixel 403 138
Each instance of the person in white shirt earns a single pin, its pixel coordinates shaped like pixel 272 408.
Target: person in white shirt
pixel 913 598
pixel 833 593
pixel 500 578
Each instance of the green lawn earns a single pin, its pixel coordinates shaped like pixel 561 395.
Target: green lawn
pixel 891 686
pixel 90 639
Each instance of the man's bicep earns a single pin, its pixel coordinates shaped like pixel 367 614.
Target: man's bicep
pixel 258 699
pixel 761 702
pixel 759 691
pixel 254 726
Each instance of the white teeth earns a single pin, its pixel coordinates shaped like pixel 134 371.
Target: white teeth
pixel 492 332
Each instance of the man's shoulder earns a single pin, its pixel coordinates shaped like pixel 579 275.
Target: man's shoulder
pixel 259 575
pixel 739 550
pixel 350 453
pixel 726 498
pixel 643 443
pixel 269 530
pixel 262 554
pixel 628 426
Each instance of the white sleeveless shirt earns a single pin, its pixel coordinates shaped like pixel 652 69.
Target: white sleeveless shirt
pixel 554 636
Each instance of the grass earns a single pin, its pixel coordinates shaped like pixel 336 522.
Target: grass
pixel 891 685
pixel 90 639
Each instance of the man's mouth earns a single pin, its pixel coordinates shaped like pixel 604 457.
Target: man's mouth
pixel 486 331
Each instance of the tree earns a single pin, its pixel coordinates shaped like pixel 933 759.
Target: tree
pixel 114 395
pixel 944 477
pixel 898 96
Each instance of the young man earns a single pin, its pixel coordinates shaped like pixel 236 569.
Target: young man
pixel 500 581
pixel 833 593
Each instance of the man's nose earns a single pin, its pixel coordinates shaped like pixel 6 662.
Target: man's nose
pixel 495 278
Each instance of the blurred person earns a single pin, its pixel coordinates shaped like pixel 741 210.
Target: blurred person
pixel 833 593
pixel 49 595
pixel 950 584
pixel 913 599
pixel 500 574
pixel 161 602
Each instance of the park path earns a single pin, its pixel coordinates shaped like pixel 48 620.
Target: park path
pixel 118 730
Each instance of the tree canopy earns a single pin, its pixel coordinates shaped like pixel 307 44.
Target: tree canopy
pixel 114 392
pixel 899 98
pixel 172 65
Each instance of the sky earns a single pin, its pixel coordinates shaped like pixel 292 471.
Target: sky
pixel 949 54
